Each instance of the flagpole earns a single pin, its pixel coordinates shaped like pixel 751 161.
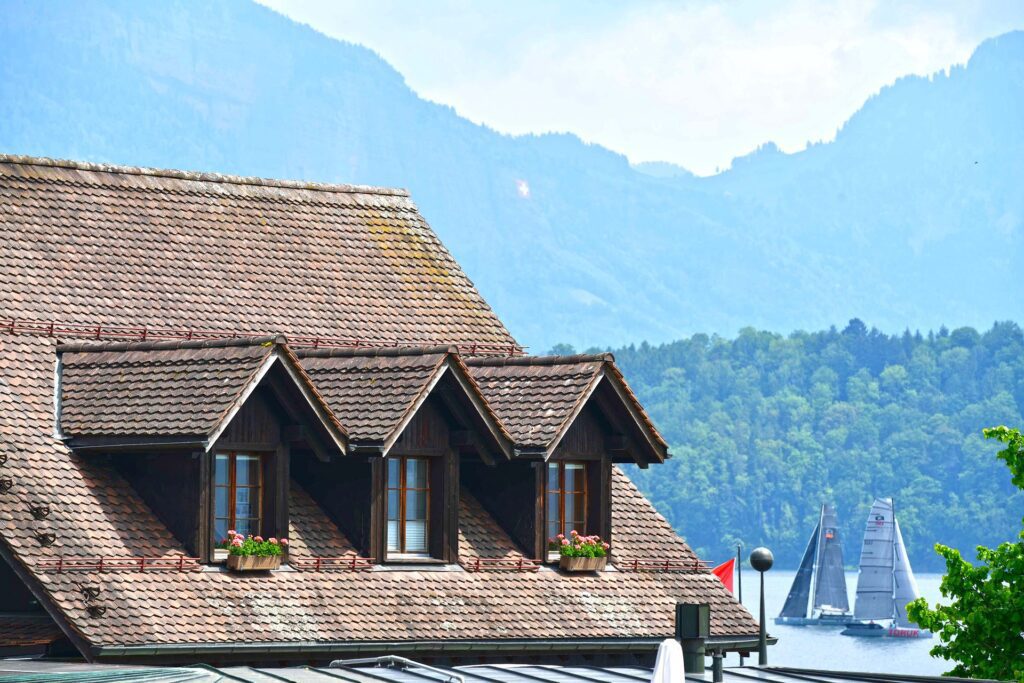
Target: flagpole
pixel 739 568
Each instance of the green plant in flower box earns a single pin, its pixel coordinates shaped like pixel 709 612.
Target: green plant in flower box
pixel 578 546
pixel 253 546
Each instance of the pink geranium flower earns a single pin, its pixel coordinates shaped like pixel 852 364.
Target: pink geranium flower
pixel 272 540
pixel 283 541
pixel 258 539
pixel 232 532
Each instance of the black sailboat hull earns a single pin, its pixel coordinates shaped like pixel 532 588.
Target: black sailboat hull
pixel 823 620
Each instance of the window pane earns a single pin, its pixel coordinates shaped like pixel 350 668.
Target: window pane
pixel 552 476
pixel 416 473
pixel 220 530
pixel 573 477
pixel 553 507
pixel 393 473
pixel 246 526
pixel 221 499
pixel 245 503
pixel 247 470
pixel 221 474
pixel 393 535
pixel 393 509
pixel 570 505
pixel 415 505
pixel 416 537
pixel 574 508
pixel 553 529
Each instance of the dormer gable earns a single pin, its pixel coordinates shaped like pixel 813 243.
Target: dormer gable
pixel 572 418
pixel 540 398
pixel 412 414
pixel 129 396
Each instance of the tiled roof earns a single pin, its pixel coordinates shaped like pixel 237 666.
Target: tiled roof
pixel 95 512
pixel 167 389
pixel 536 397
pixel 108 245
pixel 374 391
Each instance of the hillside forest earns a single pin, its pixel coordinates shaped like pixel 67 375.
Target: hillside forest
pixel 764 427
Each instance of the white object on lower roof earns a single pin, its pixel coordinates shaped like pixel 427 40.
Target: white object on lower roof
pixel 668 667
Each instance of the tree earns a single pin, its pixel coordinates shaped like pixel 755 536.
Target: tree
pixel 981 629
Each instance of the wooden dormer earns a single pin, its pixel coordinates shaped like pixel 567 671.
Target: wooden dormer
pixel 202 430
pixel 572 418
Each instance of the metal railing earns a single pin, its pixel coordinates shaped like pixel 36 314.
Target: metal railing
pixel 508 564
pixel 666 565
pixel 349 563
pixel 60 565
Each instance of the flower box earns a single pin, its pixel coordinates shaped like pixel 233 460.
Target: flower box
pixel 253 563
pixel 582 564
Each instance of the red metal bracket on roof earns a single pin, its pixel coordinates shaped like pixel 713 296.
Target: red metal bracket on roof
pixel 350 563
pixel 61 565
pixel 497 564
pixel 667 565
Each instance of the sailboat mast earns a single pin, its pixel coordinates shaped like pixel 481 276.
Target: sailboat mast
pixel 817 560
pixel 895 550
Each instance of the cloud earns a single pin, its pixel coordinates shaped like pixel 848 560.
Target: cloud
pixel 696 84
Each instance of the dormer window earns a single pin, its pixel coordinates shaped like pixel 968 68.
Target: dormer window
pixel 566 498
pixel 238 494
pixel 408 505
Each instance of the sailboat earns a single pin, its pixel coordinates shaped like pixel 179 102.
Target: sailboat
pixel 818 594
pixel 886 583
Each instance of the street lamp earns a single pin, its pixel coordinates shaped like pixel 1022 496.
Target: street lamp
pixel 761 560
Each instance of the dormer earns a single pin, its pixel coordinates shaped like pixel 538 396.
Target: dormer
pixel 203 430
pixel 571 419
pixel 412 415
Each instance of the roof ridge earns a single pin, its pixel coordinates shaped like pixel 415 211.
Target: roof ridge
pixel 200 176
pixel 83 347
pixel 482 361
pixel 386 351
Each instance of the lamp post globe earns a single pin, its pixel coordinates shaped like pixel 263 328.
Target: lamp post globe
pixel 762 559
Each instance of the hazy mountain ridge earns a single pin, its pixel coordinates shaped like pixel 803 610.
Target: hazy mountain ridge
pixel 893 221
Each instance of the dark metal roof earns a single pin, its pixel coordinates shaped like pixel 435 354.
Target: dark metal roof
pixel 415 673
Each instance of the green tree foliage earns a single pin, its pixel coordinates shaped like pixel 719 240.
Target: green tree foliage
pixel 764 427
pixel 982 627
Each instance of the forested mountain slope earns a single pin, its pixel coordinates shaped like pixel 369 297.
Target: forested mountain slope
pixel 764 428
pixel 912 216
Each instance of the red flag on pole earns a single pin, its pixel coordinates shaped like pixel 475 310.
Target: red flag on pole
pixel 724 572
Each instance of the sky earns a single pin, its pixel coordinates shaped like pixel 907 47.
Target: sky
pixel 695 83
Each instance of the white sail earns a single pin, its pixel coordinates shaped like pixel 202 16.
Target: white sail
pixel 905 588
pixel 875 581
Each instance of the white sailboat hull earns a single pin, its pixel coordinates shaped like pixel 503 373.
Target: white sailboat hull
pixel 886 582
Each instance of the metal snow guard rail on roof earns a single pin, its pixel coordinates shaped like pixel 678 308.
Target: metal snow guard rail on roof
pixel 350 563
pixel 685 566
pixel 147 333
pixel 498 564
pixel 60 565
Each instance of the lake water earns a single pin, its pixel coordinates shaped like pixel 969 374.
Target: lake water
pixel 823 648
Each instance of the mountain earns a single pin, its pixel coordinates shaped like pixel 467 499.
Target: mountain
pixel 913 216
